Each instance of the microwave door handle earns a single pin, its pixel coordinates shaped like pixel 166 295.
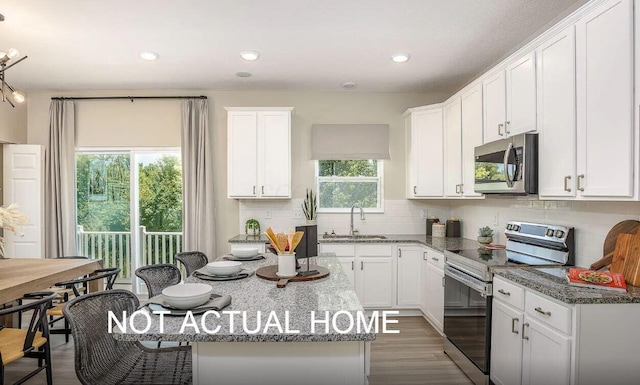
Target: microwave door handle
pixel 505 162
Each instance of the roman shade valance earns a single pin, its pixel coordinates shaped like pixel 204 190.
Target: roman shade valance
pixel 349 141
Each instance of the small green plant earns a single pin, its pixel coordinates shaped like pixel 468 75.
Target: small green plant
pixel 252 227
pixel 485 231
pixel 310 206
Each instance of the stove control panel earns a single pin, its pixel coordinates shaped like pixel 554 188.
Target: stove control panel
pixel 555 233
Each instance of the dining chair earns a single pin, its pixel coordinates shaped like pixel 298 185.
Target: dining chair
pixel 32 342
pixel 100 359
pixel 79 287
pixel 192 261
pixel 157 277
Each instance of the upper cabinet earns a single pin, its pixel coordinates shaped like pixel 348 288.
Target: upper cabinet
pixel 510 100
pixel 453 148
pixel 471 137
pixel 605 111
pixel 259 152
pixel 424 135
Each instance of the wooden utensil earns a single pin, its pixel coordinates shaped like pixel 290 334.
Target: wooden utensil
pixel 274 240
pixel 626 258
pixel 609 246
pixel 282 242
pixel 290 240
pixel 297 237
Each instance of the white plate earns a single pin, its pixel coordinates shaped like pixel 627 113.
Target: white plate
pixel 244 252
pixel 187 295
pixel 285 276
pixel 224 268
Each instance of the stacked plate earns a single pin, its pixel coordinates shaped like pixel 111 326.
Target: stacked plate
pixel 187 295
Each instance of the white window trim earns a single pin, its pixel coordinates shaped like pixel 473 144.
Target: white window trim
pixel 374 210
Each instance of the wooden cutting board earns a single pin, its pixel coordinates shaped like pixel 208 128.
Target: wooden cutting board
pixel 269 273
pixel 609 246
pixel 626 258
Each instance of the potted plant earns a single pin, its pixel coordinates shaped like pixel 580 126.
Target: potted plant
pixel 310 207
pixel 485 235
pixel 252 227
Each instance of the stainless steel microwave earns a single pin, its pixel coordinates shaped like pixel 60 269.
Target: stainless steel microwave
pixel 507 166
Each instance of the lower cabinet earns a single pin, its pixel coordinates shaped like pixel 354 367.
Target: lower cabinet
pixel 409 276
pixel 348 266
pixel 506 357
pixel 435 295
pixel 546 355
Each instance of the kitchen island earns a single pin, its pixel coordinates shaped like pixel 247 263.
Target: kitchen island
pixel 235 354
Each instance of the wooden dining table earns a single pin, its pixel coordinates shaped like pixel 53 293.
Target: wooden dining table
pixel 20 276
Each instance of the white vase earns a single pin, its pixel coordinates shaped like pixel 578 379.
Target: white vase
pixel 287 265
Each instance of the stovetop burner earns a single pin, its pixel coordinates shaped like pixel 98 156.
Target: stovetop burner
pixel 500 257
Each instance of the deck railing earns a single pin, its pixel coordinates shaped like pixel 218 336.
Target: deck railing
pixel 114 247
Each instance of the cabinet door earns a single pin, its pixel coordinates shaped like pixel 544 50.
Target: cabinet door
pixel 375 281
pixel 506 345
pixel 546 357
pixel 275 134
pixel 242 171
pixel 409 263
pixel 453 148
pixel 556 115
pixel 493 95
pixel 521 96
pixel 604 69
pixel 348 266
pixel 435 296
pixel 424 283
pixel 471 137
pixel 426 147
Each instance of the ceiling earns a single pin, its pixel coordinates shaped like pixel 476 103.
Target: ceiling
pixel 304 44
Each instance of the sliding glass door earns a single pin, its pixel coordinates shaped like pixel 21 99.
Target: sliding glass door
pixel 129 207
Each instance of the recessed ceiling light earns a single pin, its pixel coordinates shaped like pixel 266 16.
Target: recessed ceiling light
pixel 250 55
pixel 348 85
pixel 400 57
pixel 243 74
pixel 149 55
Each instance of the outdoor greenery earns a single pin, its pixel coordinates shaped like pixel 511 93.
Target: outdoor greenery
pixel 489 171
pixel 343 183
pixel 103 193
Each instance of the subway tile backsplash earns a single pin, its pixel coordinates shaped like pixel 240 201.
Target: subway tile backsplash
pixel 592 220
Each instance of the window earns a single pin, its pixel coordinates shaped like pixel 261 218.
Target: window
pixel 343 183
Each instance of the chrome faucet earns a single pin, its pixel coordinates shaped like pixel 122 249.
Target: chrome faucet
pixel 353 232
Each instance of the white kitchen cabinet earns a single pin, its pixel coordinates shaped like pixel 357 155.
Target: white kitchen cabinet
pixel 435 296
pixel 556 115
pixel 494 104
pixel 259 152
pixel 605 110
pixel 506 356
pixel 424 146
pixel 453 148
pixel 521 96
pixel 546 357
pixel 471 137
pixel 348 266
pixel 409 275
pixel 375 285
pixel 424 281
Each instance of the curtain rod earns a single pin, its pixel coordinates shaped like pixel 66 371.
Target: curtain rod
pixel 126 97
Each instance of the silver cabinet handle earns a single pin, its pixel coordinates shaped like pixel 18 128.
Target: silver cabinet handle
pixel 523 327
pixel 566 183
pixel 504 292
pixel 499 127
pixel 424 255
pixel 435 259
pixel 539 310
pixel 352 262
pixel 414 190
pixel 506 124
pixel 442 281
pixel 399 252
pixel 461 190
pixel 580 185
pixel 254 190
pixel 513 325
pixel 361 265
pixel 457 189
pixel 262 190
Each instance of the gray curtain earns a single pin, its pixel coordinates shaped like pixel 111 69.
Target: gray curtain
pixel 197 178
pixel 60 224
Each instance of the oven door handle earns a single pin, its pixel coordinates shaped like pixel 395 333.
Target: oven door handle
pixel 482 287
pixel 505 162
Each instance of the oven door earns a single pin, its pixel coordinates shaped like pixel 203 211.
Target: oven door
pixel 467 315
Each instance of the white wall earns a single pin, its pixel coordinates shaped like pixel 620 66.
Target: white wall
pixel 13 123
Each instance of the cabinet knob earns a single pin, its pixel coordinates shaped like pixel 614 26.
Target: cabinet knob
pixel 352 262
pixel 254 190
pixel 361 265
pixel 566 183
pixel 424 255
pixel 399 252
pixel 262 190
pixel 414 190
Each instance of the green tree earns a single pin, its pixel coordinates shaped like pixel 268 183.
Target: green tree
pixel 344 193
pixel 161 195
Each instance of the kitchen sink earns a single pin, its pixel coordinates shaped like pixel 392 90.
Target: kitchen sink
pixel 339 236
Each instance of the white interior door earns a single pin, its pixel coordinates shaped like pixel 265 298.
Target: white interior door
pixel 23 185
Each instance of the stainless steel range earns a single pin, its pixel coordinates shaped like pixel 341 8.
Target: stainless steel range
pixel 468 289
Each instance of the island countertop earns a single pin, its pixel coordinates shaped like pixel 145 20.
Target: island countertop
pixel 252 295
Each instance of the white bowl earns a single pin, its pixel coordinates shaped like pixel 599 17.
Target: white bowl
pixel 245 252
pixel 188 295
pixel 224 267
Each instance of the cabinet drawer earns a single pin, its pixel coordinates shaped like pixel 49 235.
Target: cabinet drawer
pixel 375 250
pixel 550 312
pixel 339 250
pixel 435 258
pixel 508 292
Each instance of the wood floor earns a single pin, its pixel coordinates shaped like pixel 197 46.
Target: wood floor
pixel 413 357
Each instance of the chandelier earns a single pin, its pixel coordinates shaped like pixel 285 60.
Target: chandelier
pixel 7 60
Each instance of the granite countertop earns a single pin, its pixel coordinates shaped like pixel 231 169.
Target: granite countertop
pixel 252 295
pixel 550 281
pixel 439 244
